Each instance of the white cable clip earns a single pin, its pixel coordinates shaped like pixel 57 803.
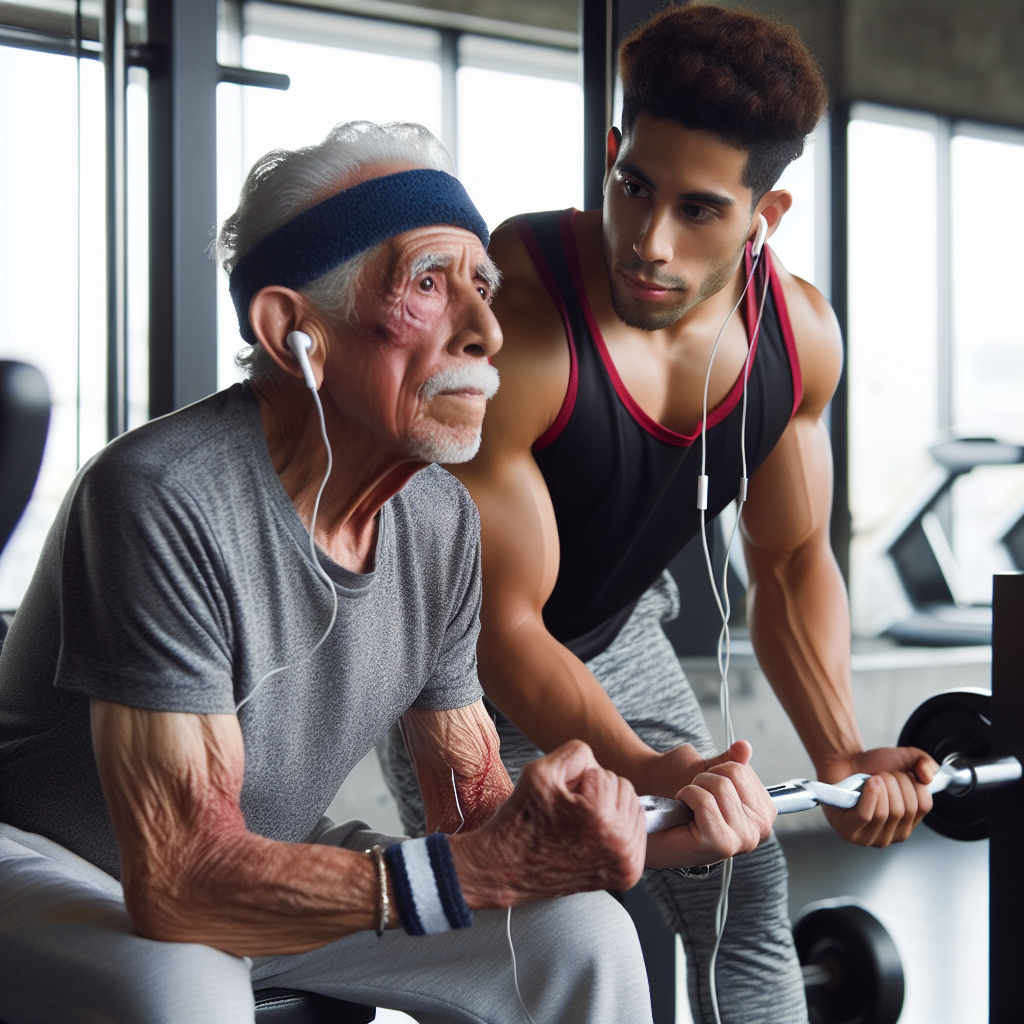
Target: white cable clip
pixel 702 492
pixel 743 489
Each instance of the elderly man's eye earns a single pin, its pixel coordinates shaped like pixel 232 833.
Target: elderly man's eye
pixel 483 292
pixel 427 284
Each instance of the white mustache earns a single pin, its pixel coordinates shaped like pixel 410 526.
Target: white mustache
pixel 476 376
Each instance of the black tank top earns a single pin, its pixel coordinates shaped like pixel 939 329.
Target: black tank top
pixel 624 488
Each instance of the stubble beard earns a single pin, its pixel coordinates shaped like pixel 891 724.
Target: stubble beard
pixel 648 317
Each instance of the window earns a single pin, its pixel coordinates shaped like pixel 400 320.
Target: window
pixel 935 347
pixel 986 179
pixel 802 239
pixel 341 69
pixel 494 101
pixel 520 127
pixel 510 101
pixel 52 280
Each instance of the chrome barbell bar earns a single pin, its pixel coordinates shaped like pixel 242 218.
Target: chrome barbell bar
pixel 958 775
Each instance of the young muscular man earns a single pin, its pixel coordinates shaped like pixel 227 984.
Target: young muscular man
pixel 587 478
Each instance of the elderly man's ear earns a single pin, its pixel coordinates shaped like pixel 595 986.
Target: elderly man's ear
pixel 276 311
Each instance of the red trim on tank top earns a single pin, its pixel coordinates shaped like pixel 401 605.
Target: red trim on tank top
pixel 648 423
pixel 536 254
pixel 787 333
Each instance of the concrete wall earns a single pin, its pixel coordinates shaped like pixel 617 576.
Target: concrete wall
pixel 960 59
pixel 963 60
pixel 557 14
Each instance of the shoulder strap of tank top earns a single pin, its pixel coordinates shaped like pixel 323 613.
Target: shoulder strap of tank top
pixel 539 233
pixel 782 311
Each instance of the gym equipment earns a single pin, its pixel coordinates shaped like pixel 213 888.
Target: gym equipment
pixel 285 1006
pixel 1006 805
pixel 955 722
pixel 953 727
pixel 922 556
pixel 852 971
pixel 24 420
pixel 1013 541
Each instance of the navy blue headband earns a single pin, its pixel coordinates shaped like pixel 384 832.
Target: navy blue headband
pixel 326 235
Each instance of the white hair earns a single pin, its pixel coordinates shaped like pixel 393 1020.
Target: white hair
pixel 434 441
pixel 285 182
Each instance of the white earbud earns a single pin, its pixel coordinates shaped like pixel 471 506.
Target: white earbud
pixel 762 234
pixel 300 344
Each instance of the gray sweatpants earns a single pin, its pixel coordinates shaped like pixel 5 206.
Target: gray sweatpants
pixel 69 955
pixel 758 976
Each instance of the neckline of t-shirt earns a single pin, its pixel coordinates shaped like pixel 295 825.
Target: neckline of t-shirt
pixel 345 580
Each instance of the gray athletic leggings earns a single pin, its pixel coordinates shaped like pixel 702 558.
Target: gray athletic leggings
pixel 758 977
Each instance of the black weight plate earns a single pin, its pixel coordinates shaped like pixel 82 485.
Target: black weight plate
pixel 956 721
pixel 866 975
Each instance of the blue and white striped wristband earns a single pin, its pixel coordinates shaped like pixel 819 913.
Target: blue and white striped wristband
pixel 427 889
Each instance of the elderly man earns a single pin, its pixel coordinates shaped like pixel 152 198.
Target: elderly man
pixel 237 600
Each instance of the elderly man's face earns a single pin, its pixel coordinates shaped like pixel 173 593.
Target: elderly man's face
pixel 414 365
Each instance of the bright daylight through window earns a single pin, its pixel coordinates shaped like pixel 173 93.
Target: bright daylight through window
pixel 52 280
pixel 936 350
pixel 512 100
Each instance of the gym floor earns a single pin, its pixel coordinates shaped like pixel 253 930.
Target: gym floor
pixel 931 894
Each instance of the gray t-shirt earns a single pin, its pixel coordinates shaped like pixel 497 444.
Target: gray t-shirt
pixel 177 574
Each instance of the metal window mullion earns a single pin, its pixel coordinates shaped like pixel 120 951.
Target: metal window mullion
pixel 944 275
pixel 841 525
pixel 114 73
pixel 449 93
pixel 596 20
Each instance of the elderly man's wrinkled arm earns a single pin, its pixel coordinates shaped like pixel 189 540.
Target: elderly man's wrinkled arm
pixel 193 872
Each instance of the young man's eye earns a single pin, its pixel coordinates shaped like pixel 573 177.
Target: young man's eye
pixel 632 188
pixel 695 212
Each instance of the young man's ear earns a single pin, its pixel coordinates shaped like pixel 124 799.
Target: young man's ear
pixel 613 146
pixel 275 311
pixel 772 207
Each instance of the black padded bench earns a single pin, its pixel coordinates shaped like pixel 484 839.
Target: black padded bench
pixel 286 1006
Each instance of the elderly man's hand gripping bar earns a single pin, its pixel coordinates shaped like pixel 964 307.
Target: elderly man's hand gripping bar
pixel 957 775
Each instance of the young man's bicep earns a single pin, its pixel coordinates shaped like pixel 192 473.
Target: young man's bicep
pixel 519 538
pixel 790 498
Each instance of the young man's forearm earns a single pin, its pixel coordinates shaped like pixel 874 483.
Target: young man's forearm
pixel 550 696
pixel 800 625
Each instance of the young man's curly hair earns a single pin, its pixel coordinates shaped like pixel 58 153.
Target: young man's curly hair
pixel 747 78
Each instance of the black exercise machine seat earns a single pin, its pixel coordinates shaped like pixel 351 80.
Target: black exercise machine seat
pixel 285 1006
pixel 24 420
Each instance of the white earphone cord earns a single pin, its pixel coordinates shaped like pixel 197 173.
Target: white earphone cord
pixel 316 563
pixel 722 599
pixel 508 916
